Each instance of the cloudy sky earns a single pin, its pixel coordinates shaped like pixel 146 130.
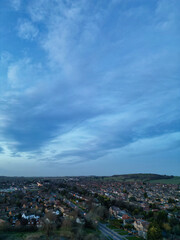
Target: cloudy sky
pixel 89 87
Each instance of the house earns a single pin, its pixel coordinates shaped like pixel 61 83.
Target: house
pixel 117 212
pixel 127 219
pixel 122 213
pixel 113 210
pixel 2 222
pixel 80 220
pixel 142 227
pixel 39 223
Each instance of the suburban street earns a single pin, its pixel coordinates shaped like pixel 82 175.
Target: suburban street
pixel 109 232
pixel 102 227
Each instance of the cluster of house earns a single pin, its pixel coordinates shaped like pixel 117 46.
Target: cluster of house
pixel 28 203
pixel 136 193
pixel 140 225
pixel 30 206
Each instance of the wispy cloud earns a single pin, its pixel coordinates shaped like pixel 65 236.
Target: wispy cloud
pixel 16 4
pixel 167 15
pixel 5 57
pixel 23 74
pixel 27 30
pixel 92 79
pixel 1 150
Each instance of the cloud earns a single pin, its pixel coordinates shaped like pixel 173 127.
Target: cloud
pixel 41 10
pixel 23 73
pixel 167 15
pixel 37 117
pixel 5 57
pixel 1 150
pixel 154 145
pixel 100 80
pixel 26 30
pixel 13 74
pixel 16 4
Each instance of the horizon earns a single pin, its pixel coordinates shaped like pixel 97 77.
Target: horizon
pixel 46 176
pixel 89 88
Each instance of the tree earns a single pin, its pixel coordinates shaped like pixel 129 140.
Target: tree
pixel 67 224
pixel 145 195
pixel 153 206
pixel 132 199
pixel 49 223
pixel 154 232
pixel 24 221
pixel 176 230
pixel 150 214
pixel 129 226
pixel 173 221
pixel 93 236
pixel 4 225
pixel 102 212
pixel 162 218
pixel 80 234
pixel 171 200
pixel 136 211
pixel 166 227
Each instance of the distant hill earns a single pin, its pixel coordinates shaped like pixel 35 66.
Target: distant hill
pixel 142 177
pixel 137 177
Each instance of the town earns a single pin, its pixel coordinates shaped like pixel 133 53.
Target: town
pixel 88 208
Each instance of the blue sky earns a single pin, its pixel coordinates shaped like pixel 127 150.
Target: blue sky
pixel 89 87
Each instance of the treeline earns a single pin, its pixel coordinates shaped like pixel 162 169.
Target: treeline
pixel 143 176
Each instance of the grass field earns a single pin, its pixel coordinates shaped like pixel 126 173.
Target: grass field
pixel 174 180
pixel 134 238
pixel 18 236
pixel 152 178
pixel 121 232
pixel 112 227
pixel 28 236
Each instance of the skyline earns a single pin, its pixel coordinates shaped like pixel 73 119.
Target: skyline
pixel 89 87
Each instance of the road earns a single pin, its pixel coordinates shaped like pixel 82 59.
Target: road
pixel 102 227
pixel 109 232
pixel 74 206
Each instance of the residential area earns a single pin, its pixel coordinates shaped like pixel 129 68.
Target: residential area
pixel 88 208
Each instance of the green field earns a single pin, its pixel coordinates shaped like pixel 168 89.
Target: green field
pixel 174 180
pixel 19 236
pixel 121 232
pixel 134 238
pixel 152 178
pixel 28 236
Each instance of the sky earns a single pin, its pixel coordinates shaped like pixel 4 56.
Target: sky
pixel 89 87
